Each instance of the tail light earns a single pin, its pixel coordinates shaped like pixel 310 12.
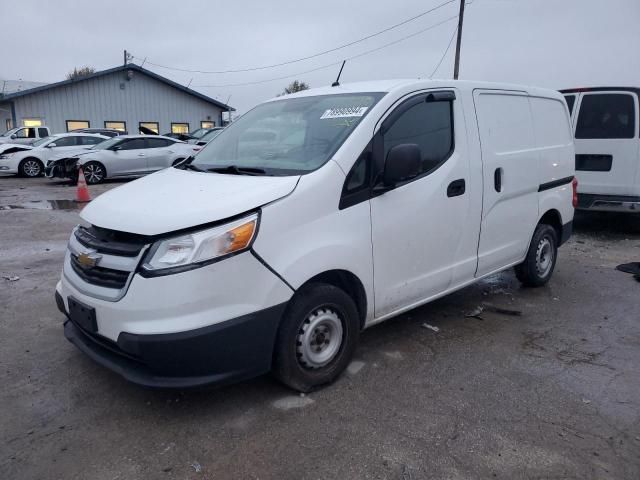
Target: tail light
pixel 574 198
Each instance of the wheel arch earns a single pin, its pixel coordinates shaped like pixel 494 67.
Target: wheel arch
pixel 349 283
pixel 553 218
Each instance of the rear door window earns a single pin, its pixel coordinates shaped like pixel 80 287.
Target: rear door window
pixel 133 144
pixel 606 115
pixel 158 142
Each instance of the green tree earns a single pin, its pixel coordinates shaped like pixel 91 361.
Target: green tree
pixel 80 72
pixel 294 87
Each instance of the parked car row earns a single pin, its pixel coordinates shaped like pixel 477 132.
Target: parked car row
pixel 102 153
pixel 122 156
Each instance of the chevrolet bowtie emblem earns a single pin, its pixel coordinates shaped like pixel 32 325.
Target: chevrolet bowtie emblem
pixel 89 258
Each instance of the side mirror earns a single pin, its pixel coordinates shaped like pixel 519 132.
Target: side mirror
pixel 51 145
pixel 116 148
pixel 403 163
pixel 14 136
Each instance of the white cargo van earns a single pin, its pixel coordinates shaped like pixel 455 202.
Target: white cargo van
pixel 273 251
pixel 607 147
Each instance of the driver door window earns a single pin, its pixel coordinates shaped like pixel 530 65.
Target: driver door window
pixel 428 125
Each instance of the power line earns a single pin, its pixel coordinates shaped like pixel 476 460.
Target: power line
pixel 453 35
pixel 289 62
pixel 334 63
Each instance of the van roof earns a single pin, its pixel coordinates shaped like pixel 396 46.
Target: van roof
pixel 601 89
pixel 393 84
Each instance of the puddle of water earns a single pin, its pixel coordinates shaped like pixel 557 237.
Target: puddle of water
pixel 45 205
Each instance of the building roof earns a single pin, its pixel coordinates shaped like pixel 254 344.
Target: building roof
pixel 12 86
pixel 121 68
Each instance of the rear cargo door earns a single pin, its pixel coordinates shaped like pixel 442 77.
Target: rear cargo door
pixel 510 177
pixel 606 142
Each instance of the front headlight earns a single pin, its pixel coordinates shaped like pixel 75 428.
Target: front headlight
pixel 196 249
pixel 6 156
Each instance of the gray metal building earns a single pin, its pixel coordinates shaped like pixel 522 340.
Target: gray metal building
pixel 124 97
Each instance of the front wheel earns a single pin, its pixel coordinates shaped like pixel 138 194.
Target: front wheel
pixel 94 172
pixel 317 338
pixel 541 258
pixel 31 167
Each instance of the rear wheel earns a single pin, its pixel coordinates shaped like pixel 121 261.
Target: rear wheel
pixel 94 172
pixel 317 338
pixel 31 167
pixel 538 266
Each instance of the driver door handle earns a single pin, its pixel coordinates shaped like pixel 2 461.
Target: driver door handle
pixel 141 154
pixel 456 188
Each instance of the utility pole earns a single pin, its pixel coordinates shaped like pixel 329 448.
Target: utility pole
pixel 125 56
pixel 456 68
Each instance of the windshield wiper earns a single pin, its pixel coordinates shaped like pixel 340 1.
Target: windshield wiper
pixel 235 170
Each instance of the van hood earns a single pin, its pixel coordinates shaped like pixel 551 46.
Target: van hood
pixel 174 199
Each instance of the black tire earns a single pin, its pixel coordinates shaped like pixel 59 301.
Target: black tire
pixel 308 307
pixel 31 167
pixel 538 266
pixel 94 172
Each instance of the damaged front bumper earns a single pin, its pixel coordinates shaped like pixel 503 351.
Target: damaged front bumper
pixel 62 168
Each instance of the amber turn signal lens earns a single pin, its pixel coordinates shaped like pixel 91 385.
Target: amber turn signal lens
pixel 241 236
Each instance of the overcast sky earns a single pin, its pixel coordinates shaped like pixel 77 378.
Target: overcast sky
pixel 551 43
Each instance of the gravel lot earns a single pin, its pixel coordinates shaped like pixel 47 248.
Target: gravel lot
pixel 553 393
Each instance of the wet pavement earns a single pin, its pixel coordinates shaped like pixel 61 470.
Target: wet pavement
pixel 551 392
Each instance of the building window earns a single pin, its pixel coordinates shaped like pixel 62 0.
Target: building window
pixel 121 126
pixel 180 128
pixel 8 124
pixel 153 126
pixel 77 124
pixel 207 124
pixel 32 122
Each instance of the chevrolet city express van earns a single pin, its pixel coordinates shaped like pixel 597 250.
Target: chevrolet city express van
pixel 315 216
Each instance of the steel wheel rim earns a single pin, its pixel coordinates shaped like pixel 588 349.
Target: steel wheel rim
pixel 320 338
pixel 93 173
pixel 544 256
pixel 31 168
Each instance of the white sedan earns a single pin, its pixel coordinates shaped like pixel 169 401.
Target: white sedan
pixel 29 161
pixel 131 156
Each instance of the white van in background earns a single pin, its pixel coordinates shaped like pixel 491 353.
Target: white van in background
pixel 607 147
pixel 385 196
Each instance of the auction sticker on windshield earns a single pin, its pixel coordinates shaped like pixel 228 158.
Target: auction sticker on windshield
pixel 342 112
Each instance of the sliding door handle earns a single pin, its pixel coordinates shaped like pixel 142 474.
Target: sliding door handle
pixel 497 179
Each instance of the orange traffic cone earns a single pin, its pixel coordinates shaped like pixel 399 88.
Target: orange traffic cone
pixel 82 192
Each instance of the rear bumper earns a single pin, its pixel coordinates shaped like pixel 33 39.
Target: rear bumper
pixel 226 352
pixel 608 203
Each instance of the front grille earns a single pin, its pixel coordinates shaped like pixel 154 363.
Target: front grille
pixel 103 277
pixel 111 242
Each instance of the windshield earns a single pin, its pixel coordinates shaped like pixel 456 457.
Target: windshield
pixel 42 141
pixel 211 135
pixel 199 133
pixel 8 133
pixel 287 137
pixel 107 144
